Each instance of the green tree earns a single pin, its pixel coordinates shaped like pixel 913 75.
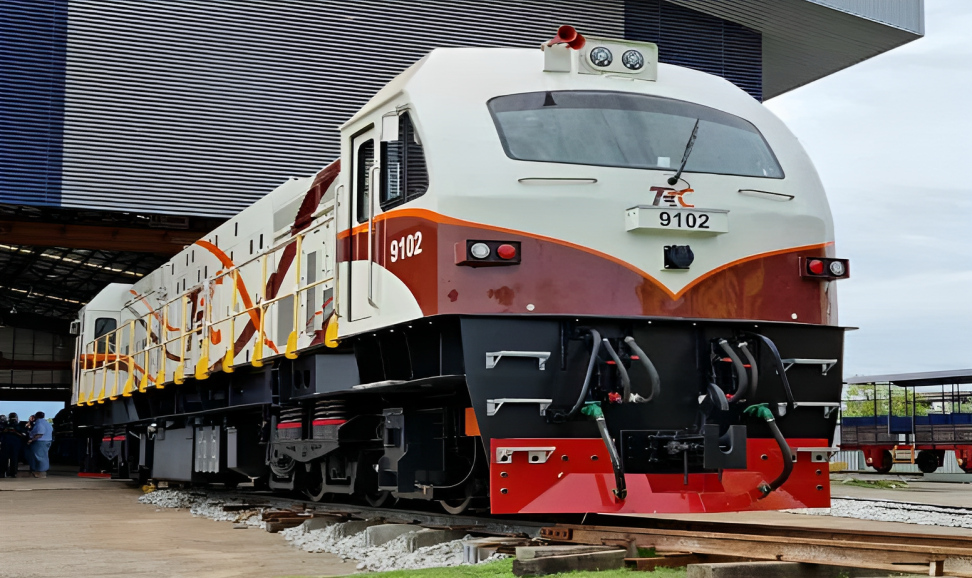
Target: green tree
pixel 860 401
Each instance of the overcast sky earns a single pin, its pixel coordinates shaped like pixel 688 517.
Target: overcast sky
pixel 891 140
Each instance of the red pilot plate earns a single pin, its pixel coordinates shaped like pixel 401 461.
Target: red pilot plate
pixel 583 481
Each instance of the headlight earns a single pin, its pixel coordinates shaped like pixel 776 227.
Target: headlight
pixel 632 60
pixel 479 250
pixel 601 56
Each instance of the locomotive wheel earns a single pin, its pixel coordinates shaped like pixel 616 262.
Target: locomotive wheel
pixel 886 463
pixel 377 499
pixel 455 506
pixel 927 462
pixel 315 491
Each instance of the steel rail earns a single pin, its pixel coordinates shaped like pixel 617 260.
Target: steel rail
pixel 873 550
pixel 892 551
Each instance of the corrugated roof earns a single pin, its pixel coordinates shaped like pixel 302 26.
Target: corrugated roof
pixel 947 377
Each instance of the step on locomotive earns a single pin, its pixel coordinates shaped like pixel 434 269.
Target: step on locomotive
pixel 562 280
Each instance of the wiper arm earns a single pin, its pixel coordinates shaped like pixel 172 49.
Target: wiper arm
pixel 685 155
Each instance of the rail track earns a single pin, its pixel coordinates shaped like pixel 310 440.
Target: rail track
pixel 684 541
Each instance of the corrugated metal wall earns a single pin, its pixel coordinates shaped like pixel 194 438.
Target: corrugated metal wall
pixel 203 107
pixel 905 15
pixel 695 40
pixel 200 108
pixel 32 56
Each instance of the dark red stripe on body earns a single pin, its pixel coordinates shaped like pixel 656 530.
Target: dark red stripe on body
pixel 560 279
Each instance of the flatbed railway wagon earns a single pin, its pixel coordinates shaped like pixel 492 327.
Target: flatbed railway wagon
pixel 560 280
pixel 909 419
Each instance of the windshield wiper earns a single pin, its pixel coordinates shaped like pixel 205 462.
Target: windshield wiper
pixel 685 155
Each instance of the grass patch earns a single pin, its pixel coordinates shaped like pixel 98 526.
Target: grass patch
pixel 504 569
pixel 880 484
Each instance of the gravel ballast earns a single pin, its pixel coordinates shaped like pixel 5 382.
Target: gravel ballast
pixel 889 511
pixel 392 555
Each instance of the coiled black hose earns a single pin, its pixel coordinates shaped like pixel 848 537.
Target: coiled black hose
pixel 778 362
pixel 741 375
pixel 621 491
pixel 590 371
pixel 649 366
pixel 718 396
pixel 754 371
pixel 787 457
pixel 625 380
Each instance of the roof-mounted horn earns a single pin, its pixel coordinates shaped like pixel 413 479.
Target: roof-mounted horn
pixel 556 51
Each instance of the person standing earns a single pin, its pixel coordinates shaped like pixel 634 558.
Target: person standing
pixel 41 436
pixel 11 445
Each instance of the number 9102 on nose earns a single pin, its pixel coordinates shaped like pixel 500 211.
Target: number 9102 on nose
pixel 651 218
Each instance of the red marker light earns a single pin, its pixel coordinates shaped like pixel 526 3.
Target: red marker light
pixel 815 266
pixel 505 251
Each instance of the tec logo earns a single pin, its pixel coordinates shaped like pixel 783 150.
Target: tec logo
pixel 669 197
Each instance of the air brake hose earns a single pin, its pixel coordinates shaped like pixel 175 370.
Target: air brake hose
pixel 742 376
pixel 754 371
pixel 649 366
pixel 625 380
pixel 778 362
pixel 593 410
pixel 590 371
pixel 718 396
pixel 762 411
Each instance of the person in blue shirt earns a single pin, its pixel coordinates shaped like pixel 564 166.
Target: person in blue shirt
pixel 41 436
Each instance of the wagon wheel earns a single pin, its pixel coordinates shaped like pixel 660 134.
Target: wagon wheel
pixel 886 463
pixel 927 462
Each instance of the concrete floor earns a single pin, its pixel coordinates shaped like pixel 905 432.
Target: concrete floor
pixel 918 492
pixel 69 526
pixel 65 526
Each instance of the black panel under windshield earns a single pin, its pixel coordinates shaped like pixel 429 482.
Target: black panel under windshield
pixel 617 129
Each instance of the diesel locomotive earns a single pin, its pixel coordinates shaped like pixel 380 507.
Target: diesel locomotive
pixel 540 281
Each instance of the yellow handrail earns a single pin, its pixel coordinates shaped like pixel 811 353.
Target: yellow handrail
pixel 163 349
pixel 257 360
pixel 202 364
pixel 291 351
pixel 231 343
pixel 179 376
pixel 127 388
pixel 209 320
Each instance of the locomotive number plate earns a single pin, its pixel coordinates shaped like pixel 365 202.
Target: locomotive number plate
pixel 652 218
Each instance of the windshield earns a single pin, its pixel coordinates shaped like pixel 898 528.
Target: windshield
pixel 619 129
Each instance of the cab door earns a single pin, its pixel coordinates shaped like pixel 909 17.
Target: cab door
pixel 361 285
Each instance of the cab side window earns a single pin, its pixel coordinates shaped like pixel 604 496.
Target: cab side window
pixel 404 174
pixel 103 326
pixel 364 159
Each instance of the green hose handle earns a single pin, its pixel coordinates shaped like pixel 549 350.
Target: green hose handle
pixel 761 411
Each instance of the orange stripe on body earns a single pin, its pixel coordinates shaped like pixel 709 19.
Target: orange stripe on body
pixel 240 287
